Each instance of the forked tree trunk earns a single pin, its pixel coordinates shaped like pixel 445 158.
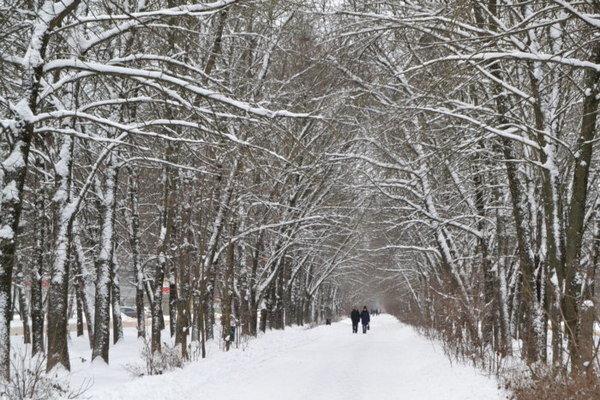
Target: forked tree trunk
pixel 170 176
pixel 209 267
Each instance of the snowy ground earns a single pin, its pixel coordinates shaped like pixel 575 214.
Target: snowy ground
pixel 328 362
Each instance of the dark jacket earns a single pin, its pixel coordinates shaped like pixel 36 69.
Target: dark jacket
pixel 355 316
pixel 365 318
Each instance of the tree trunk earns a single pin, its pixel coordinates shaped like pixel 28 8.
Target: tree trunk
pixel 503 290
pixel 170 177
pixel 58 293
pixel 529 295
pixel 12 179
pixel 134 242
pixel 81 287
pixel 227 295
pixel 104 265
pixel 23 309
pixel 186 262
pixel 576 215
pixel 173 301
pixel 79 308
pixel 209 277
pixel 116 302
pixel 37 301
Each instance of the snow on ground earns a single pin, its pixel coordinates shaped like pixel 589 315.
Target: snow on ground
pixel 391 361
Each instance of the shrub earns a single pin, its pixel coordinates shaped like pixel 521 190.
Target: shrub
pixel 29 381
pixel 157 363
pixel 554 384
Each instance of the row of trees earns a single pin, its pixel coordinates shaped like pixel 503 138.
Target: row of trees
pixel 152 140
pixel 482 144
pixel 276 154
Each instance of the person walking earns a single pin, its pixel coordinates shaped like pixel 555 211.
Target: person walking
pixel 355 317
pixel 365 319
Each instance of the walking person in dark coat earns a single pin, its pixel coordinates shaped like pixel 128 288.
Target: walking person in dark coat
pixel 355 317
pixel 365 319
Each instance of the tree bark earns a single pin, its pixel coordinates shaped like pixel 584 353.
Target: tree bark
pixel 58 292
pixel 104 264
pixel 81 286
pixel 37 301
pixel 576 215
pixel 134 242
pixel 115 300
pixel 184 284
pixel 170 177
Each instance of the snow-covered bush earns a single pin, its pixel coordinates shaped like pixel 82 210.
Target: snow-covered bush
pixel 29 381
pixel 169 358
pixel 544 382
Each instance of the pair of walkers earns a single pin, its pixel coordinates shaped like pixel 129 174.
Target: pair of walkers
pixel 360 316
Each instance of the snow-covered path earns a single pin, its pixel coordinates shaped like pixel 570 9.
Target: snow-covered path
pixel 329 362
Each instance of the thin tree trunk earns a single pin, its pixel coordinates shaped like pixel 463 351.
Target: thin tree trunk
pixel 79 308
pixel 116 301
pixel 81 287
pixel 79 291
pixel 211 249
pixel 227 294
pixel 37 301
pixel 23 309
pixel 134 241
pixel 185 277
pixel 166 228
pixel 173 300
